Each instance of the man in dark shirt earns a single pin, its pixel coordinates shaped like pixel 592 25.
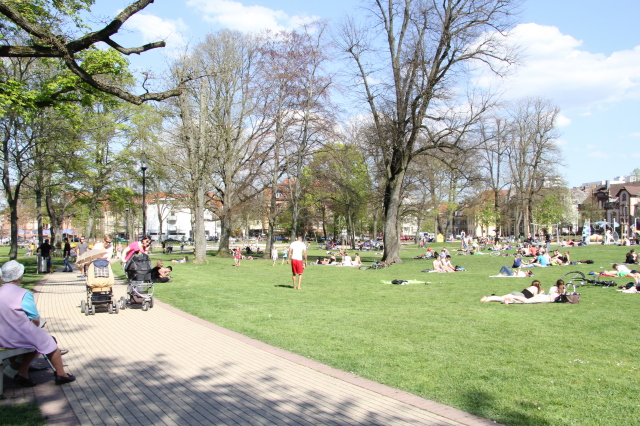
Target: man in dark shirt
pixel 45 252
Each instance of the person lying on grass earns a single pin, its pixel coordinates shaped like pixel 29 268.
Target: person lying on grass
pixel 552 296
pixel 184 260
pixel 533 290
pixel 505 271
pixel 621 270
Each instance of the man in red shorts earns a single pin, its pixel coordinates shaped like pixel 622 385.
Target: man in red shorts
pixel 297 250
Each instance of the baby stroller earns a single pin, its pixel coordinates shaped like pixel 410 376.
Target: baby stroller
pixel 99 288
pixel 140 289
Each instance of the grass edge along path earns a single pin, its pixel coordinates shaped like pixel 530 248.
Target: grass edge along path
pixel 519 365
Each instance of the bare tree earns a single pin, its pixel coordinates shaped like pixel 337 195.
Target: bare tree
pixel 534 158
pixel 494 150
pixel 218 145
pixel 407 75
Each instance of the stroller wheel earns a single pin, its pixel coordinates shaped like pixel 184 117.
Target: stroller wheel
pixel 93 309
pixel 83 306
pixel 145 306
pixel 123 303
pixel 116 308
pixel 151 303
pixel 110 308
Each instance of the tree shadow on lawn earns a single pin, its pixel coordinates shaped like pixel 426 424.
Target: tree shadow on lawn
pixel 483 404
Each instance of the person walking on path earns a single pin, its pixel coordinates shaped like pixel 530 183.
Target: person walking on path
pixel 82 247
pixel 45 252
pixel 66 253
pixel 297 250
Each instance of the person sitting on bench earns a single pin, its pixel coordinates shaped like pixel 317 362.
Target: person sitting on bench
pixel 20 322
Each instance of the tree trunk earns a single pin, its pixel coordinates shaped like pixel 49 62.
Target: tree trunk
pixel 392 201
pixel 13 214
pixel 159 210
pixel 225 233
pixel 55 218
pixel 200 240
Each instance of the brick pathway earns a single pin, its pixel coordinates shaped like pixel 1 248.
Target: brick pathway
pixel 164 366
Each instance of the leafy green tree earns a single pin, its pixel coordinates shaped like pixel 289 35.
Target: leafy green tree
pixel 339 175
pixel 550 211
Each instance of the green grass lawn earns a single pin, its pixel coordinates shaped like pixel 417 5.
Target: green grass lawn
pixel 546 364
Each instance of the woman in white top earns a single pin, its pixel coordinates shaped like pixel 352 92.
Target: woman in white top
pixel 105 245
pixel 346 259
pixel 554 293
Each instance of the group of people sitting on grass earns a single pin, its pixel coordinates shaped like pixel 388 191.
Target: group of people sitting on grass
pixel 532 294
pixel 443 264
pixel 346 260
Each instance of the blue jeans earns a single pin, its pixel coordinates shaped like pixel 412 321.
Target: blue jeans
pixel 505 270
pixel 67 265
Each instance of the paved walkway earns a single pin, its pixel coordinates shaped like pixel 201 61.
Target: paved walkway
pixel 164 366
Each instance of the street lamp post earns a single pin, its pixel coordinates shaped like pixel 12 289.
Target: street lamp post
pixel 126 218
pixel 143 167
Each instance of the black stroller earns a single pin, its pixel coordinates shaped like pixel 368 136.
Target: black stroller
pixel 140 288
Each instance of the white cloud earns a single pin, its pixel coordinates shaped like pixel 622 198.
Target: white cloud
pixel 234 15
pixel 555 67
pixel 562 121
pixel 636 155
pixel 154 28
pixel 635 135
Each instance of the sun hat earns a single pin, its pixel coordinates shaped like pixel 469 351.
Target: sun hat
pixel 12 271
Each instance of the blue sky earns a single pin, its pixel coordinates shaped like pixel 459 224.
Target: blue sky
pixel 584 56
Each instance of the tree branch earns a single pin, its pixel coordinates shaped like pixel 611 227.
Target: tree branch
pixel 56 47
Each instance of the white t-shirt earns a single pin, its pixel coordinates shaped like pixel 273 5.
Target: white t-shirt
pixel 297 249
pixel 623 268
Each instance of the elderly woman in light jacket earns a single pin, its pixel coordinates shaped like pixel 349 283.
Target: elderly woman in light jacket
pixel 20 325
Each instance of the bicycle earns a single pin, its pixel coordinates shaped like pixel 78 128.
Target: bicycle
pixel 577 279
pixel 375 265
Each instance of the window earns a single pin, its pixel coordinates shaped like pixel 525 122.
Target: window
pixel 624 196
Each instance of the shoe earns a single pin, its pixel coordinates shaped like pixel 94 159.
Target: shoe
pixel 34 369
pixel 23 381
pixel 64 351
pixel 81 276
pixel 62 380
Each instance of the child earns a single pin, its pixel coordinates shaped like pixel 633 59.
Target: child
pixel 237 255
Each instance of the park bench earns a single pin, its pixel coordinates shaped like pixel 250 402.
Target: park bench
pixel 6 354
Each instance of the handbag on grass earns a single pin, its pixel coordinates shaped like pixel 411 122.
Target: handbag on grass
pixel 570 298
